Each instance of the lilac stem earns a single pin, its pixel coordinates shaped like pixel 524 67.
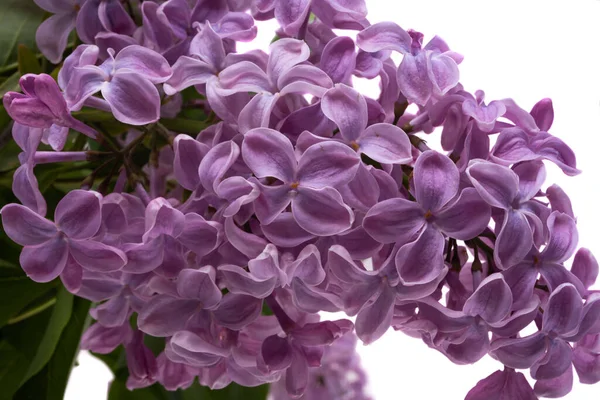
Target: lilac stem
pixel 47 157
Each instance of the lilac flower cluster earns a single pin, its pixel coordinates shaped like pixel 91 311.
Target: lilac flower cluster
pixel 303 195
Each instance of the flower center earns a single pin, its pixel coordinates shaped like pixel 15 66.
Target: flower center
pixel 294 185
pixel 354 145
pixel 428 214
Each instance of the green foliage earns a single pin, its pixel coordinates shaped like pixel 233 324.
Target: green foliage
pixel 118 391
pixel 51 382
pixel 19 20
pixel 27 61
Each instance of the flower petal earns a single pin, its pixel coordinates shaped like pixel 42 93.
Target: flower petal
pixel 421 261
pixel 296 376
pixel 321 211
pixel 347 108
pixel 237 310
pixel 284 54
pixel 144 257
pixel 587 365
pixel 338 59
pixel 436 180
pixel 143 61
pixel 276 353
pixel 555 363
pixel 520 353
pixel 514 240
pixel 46 261
pixel 384 36
pixel 491 301
pixel 563 311
pixel 133 99
pixel 84 82
pixel 199 285
pixel 164 315
pixel 555 387
pixel 501 385
pixel 257 113
pixel 413 78
pixel 532 175
pixel 78 214
pixel 24 226
pixel 188 154
pixel 96 256
pixel 271 202
pixel 465 218
pixel 188 71
pixel 563 238
pixel 496 184
pixel 307 266
pixel 52 35
pixel 328 164
pixel 291 15
pixel 559 201
pixel 243 76
pixel 216 163
pixel 199 235
pixel 269 153
pixel 284 231
pixel 240 281
pixel 585 267
pixel 373 320
pixel 362 192
pixel 394 220
pixel 443 72
pixel 386 143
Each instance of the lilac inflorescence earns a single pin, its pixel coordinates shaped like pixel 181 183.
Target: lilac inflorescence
pixel 301 195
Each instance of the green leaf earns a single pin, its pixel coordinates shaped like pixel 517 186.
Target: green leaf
pixel 61 313
pixel 9 160
pixel 11 84
pixel 17 292
pixel 22 340
pixel 51 382
pixel 189 126
pixel 91 115
pixel 118 391
pixel 5 134
pixel 19 21
pixel 27 60
pixel 13 364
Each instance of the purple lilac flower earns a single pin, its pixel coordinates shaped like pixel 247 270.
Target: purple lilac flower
pixel 419 227
pixel 300 195
pixel 42 105
pixel 126 82
pixel 307 184
pixel 425 72
pixel 53 248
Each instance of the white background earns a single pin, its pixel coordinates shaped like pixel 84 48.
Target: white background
pixel 524 49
